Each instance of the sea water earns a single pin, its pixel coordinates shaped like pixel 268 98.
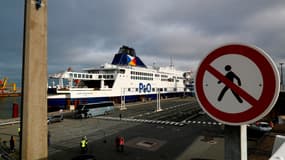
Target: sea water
pixel 6 106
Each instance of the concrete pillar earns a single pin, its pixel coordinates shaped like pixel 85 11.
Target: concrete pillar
pixel 232 143
pixel 34 88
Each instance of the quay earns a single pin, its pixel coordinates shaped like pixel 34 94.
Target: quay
pixel 147 135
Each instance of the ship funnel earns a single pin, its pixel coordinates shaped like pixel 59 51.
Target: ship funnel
pixel 127 57
pixel 127 50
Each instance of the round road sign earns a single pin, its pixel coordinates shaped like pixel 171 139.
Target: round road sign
pixel 237 84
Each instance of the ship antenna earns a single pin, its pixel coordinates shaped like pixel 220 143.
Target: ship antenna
pixel 171 62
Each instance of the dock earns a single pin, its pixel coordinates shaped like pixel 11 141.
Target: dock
pixel 148 134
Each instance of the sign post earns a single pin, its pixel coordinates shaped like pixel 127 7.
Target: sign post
pixel 243 141
pixel 237 85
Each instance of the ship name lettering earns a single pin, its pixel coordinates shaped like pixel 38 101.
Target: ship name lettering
pixel 144 87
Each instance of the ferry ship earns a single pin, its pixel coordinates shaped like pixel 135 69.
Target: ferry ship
pixel 126 79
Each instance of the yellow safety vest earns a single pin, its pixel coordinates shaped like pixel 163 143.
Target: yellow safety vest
pixel 83 143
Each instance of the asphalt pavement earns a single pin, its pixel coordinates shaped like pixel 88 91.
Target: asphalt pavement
pixel 142 142
pixel 197 139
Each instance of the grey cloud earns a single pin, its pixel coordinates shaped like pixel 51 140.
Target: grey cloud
pixel 87 33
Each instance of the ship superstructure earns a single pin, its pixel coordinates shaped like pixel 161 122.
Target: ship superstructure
pixel 127 76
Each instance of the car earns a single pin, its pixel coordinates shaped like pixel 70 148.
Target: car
pixel 261 126
pixel 55 118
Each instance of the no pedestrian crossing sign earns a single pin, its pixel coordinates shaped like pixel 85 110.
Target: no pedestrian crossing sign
pixel 237 84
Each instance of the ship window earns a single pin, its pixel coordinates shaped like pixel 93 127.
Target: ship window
pixel 70 75
pixel 129 89
pixel 83 75
pixel 100 76
pixel 165 89
pixel 112 76
pixel 153 89
pixel 75 75
pixel 122 71
pixel 91 76
pixel 137 89
pixel 79 75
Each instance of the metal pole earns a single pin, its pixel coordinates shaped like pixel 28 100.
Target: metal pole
pixel 281 75
pixel 123 101
pixel 158 109
pixel 243 141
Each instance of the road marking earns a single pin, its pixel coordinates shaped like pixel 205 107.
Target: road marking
pixel 158 121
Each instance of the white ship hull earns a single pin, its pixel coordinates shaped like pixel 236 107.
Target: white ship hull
pixel 117 80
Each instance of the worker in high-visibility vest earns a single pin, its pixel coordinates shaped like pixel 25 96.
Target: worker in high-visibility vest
pixel 19 131
pixel 122 143
pixel 83 144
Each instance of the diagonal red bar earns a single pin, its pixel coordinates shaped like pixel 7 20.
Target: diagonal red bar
pixel 251 100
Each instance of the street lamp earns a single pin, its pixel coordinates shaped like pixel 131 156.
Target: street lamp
pixel 281 74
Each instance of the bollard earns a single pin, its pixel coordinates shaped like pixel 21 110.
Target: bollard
pixel 15 113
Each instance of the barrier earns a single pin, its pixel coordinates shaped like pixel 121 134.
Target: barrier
pixel 279 154
pixel 15 113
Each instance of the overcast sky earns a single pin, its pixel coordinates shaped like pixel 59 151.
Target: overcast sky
pixel 87 33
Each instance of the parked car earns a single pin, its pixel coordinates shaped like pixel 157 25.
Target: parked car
pixel 260 126
pixel 55 118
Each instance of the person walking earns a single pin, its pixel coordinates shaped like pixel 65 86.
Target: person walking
pixel 122 143
pixel 83 144
pixel 12 144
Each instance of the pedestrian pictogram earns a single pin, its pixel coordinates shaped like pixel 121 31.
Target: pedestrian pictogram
pixel 231 76
pixel 237 84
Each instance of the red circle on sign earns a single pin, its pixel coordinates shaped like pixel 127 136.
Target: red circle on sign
pixel 259 107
